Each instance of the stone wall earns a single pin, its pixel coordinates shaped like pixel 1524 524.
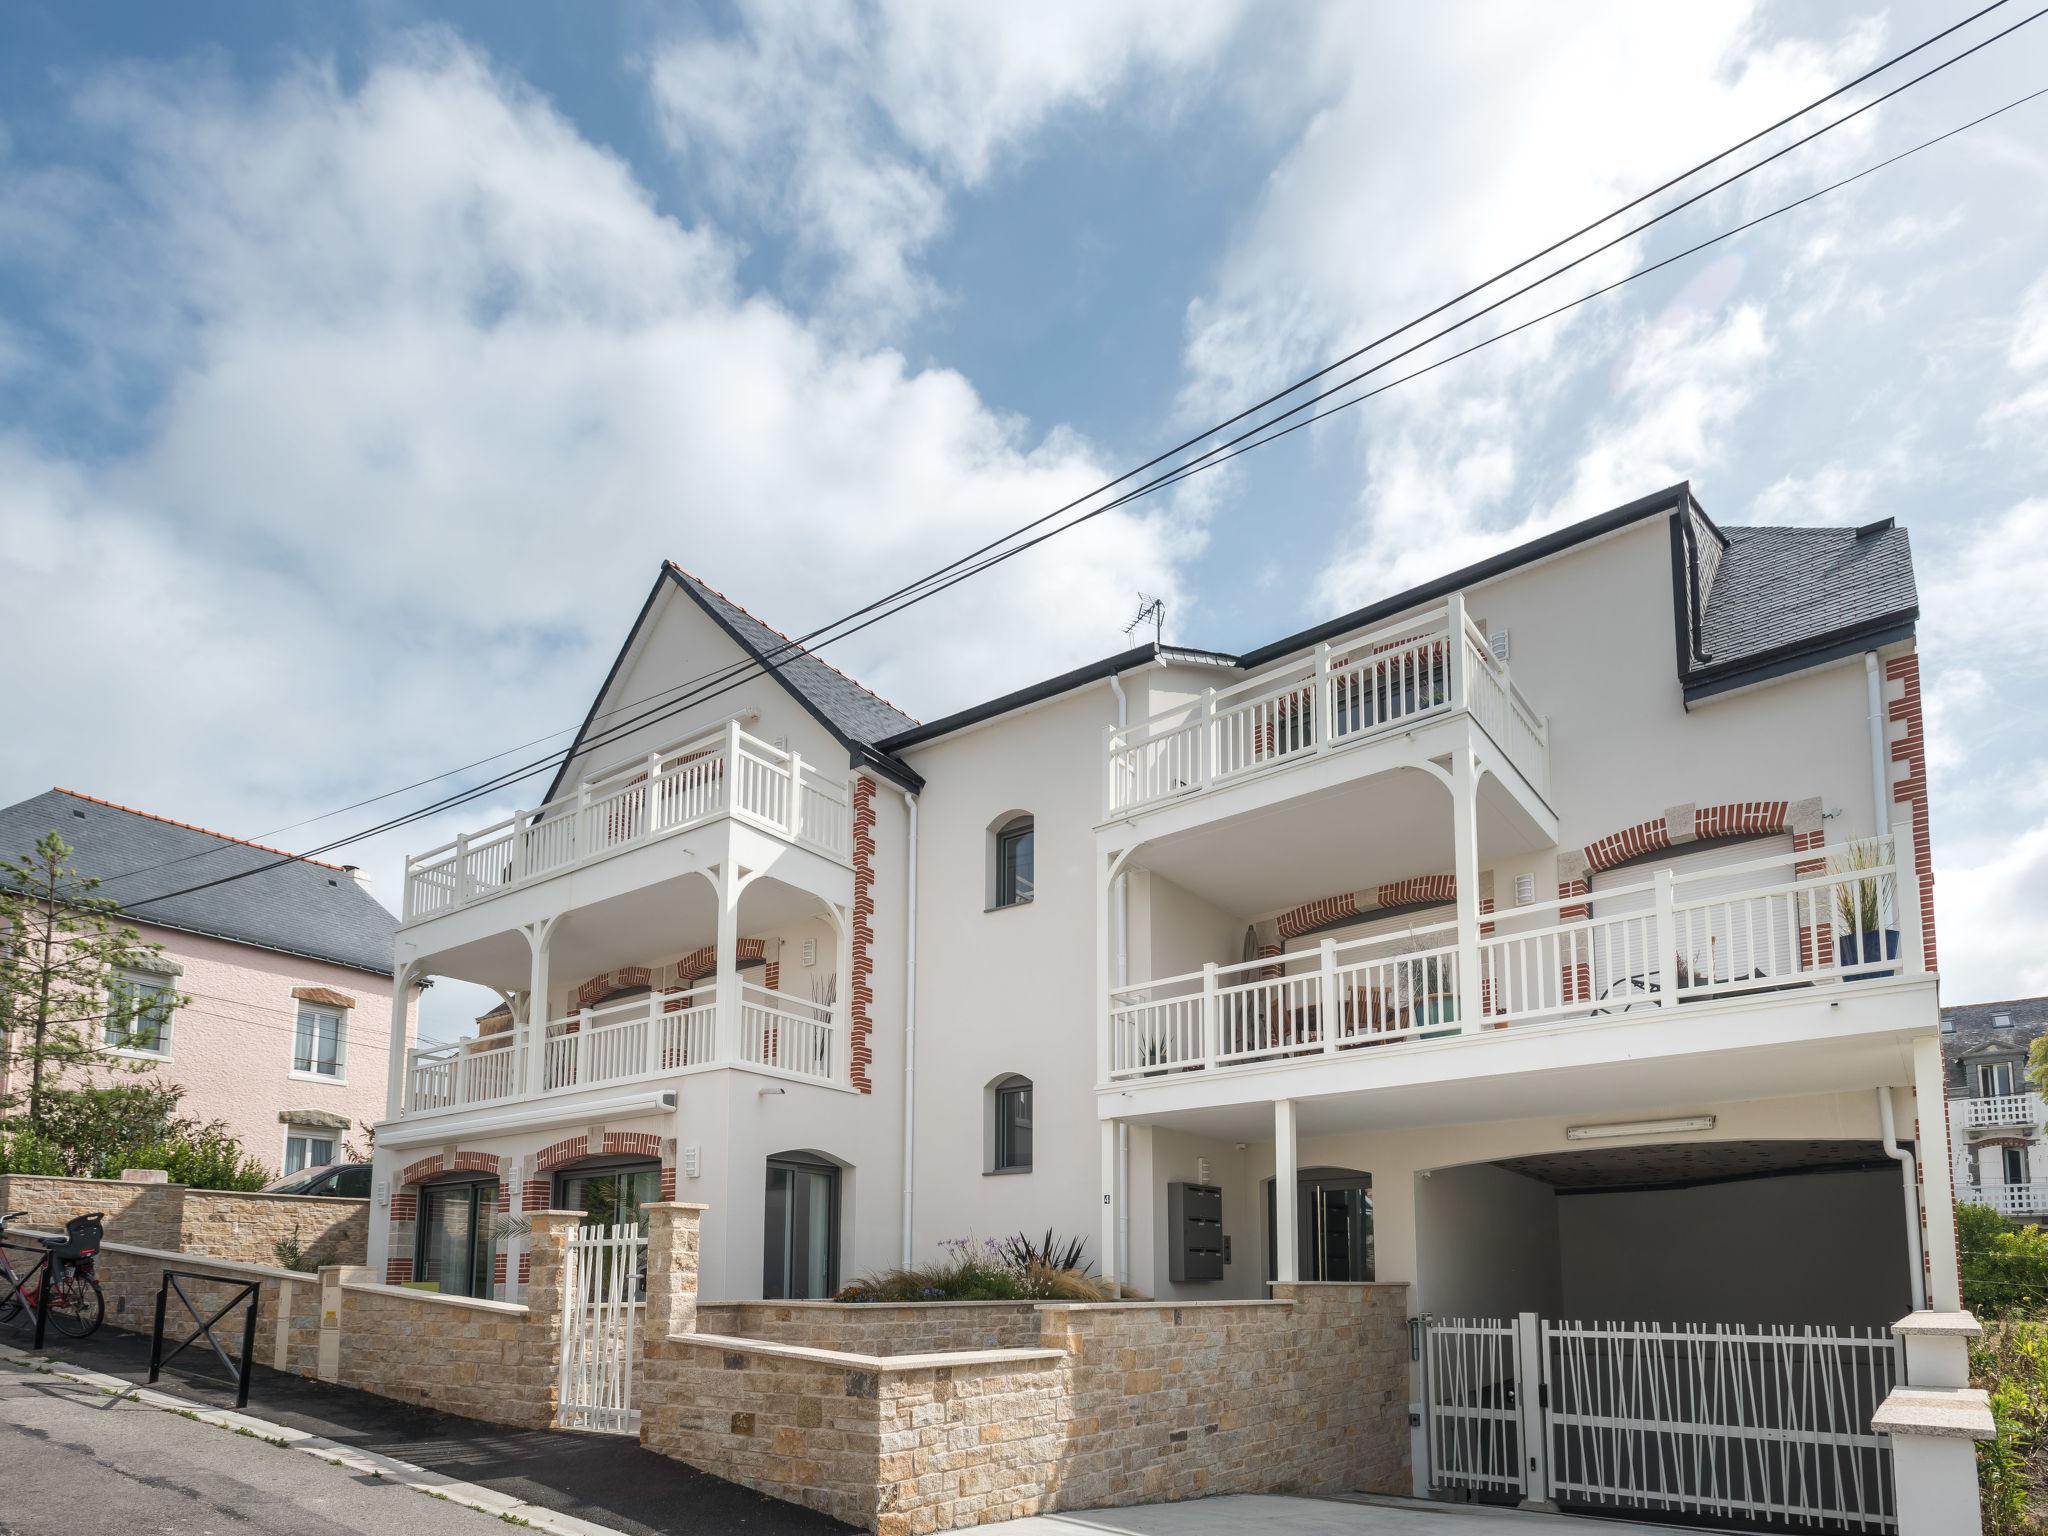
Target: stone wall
pixel 144 1214
pixel 877 1328
pixel 1116 1403
pixel 130 1278
pixel 224 1224
pixel 330 1230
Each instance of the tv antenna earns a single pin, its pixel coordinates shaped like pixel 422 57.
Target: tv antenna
pixel 1153 608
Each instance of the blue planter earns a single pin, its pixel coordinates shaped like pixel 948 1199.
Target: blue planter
pixel 1845 946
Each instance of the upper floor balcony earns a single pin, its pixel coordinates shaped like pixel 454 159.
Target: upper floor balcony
pixel 2028 1200
pixel 655 1036
pixel 1342 698
pixel 1675 962
pixel 717 776
pixel 2004 1112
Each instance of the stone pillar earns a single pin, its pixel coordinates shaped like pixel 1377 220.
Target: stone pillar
pixel 1935 1421
pixel 549 1243
pixel 672 1229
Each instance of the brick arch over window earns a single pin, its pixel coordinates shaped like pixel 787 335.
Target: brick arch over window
pixel 699 963
pixel 1271 936
pixel 405 1203
pixel 1683 825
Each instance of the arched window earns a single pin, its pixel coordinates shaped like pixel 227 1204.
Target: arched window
pixel 1012 880
pixel 1009 1122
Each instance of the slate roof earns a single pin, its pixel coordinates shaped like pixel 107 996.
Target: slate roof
pixel 299 908
pixel 858 714
pixel 1967 1032
pixel 1780 588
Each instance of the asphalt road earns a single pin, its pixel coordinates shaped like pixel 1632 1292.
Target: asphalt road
pixel 74 1459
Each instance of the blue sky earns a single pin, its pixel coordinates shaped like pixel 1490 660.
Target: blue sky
pixel 358 364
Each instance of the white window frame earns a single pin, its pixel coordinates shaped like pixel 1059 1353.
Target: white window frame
pixel 312 1075
pixel 1987 1074
pixel 150 981
pixel 309 1134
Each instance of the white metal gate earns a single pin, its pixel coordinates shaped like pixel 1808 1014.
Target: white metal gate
pixel 603 1291
pixel 1755 1422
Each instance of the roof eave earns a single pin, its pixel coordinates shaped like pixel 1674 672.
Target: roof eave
pixel 1769 666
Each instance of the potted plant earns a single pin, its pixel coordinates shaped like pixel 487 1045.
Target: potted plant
pixel 1864 908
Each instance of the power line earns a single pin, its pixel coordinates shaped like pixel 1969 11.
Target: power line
pixel 941 580
pixel 792 647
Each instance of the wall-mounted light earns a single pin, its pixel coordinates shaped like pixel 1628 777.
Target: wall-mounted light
pixel 1638 1128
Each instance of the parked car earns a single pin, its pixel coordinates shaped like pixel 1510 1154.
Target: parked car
pixel 350 1180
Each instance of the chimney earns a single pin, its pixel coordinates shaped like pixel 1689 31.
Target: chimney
pixel 357 870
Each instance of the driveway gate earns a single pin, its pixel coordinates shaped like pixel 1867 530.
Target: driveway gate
pixel 1769 1424
pixel 604 1289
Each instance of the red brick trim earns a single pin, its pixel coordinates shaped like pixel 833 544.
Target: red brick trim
pixel 478 1162
pixel 861 992
pixel 1629 843
pixel 612 981
pixel 1741 818
pixel 405 1206
pixel 631 1144
pixel 1736 818
pixel 699 963
pixel 1314 914
pixel 1910 748
pixel 566 1150
pixel 397 1271
pixel 668 1182
pixel 425 1168
pixel 1325 910
pixel 536 1195
pixel 1417 889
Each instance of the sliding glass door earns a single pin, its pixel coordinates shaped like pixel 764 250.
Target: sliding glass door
pixel 455 1246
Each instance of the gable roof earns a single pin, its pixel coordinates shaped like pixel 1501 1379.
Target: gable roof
pixel 855 716
pixel 303 907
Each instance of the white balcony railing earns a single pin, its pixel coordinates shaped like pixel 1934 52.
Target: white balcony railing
pixel 644 1037
pixel 1346 692
pixel 1645 948
pixel 2006 1111
pixel 671 790
pixel 2009 1199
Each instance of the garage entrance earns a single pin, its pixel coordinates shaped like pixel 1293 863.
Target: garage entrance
pixel 1695 1328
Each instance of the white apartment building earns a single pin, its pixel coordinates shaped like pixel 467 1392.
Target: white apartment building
pixel 1556 937
pixel 1995 1115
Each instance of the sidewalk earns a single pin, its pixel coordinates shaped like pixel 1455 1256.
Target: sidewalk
pixel 608 1480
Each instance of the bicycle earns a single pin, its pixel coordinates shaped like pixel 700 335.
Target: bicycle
pixel 76 1304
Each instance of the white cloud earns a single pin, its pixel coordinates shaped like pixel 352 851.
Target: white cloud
pixel 2029 347
pixel 1990 918
pixel 430 388
pixel 845 127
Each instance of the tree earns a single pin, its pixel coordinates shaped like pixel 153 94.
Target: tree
pixel 73 979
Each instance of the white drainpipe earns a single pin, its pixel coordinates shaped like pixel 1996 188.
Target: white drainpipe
pixel 1880 780
pixel 909 1028
pixel 1122 1267
pixel 1904 1159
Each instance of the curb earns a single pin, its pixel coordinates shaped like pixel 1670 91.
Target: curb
pixel 474 1496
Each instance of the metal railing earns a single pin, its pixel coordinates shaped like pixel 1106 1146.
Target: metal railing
pixel 1344 692
pixel 674 788
pixel 1820 916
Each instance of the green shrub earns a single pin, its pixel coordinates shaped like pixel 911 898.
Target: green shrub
pixel 205 1157
pixel 979 1271
pixel 2011 1363
pixel 23 1151
pixel 2004 1263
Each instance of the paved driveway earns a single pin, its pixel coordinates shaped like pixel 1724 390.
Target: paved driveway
pixel 79 1460
pixel 608 1480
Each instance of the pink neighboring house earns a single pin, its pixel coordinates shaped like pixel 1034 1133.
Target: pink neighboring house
pixel 288 972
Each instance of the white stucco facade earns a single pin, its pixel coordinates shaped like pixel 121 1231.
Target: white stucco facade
pixel 1751 1078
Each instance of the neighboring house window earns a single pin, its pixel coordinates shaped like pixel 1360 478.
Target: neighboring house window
pixel 1014 861
pixel 139 1014
pixel 1012 1125
pixel 317 1043
pixel 2015 1165
pixel 1994 1079
pixel 306 1147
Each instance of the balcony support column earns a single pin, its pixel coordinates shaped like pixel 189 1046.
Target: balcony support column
pixel 539 937
pixel 1286 1193
pixel 1110 1257
pixel 1465 874
pixel 1937 1181
pixel 397 1088
pixel 728 983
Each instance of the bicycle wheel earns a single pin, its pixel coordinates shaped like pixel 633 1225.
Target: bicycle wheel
pixel 76 1306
